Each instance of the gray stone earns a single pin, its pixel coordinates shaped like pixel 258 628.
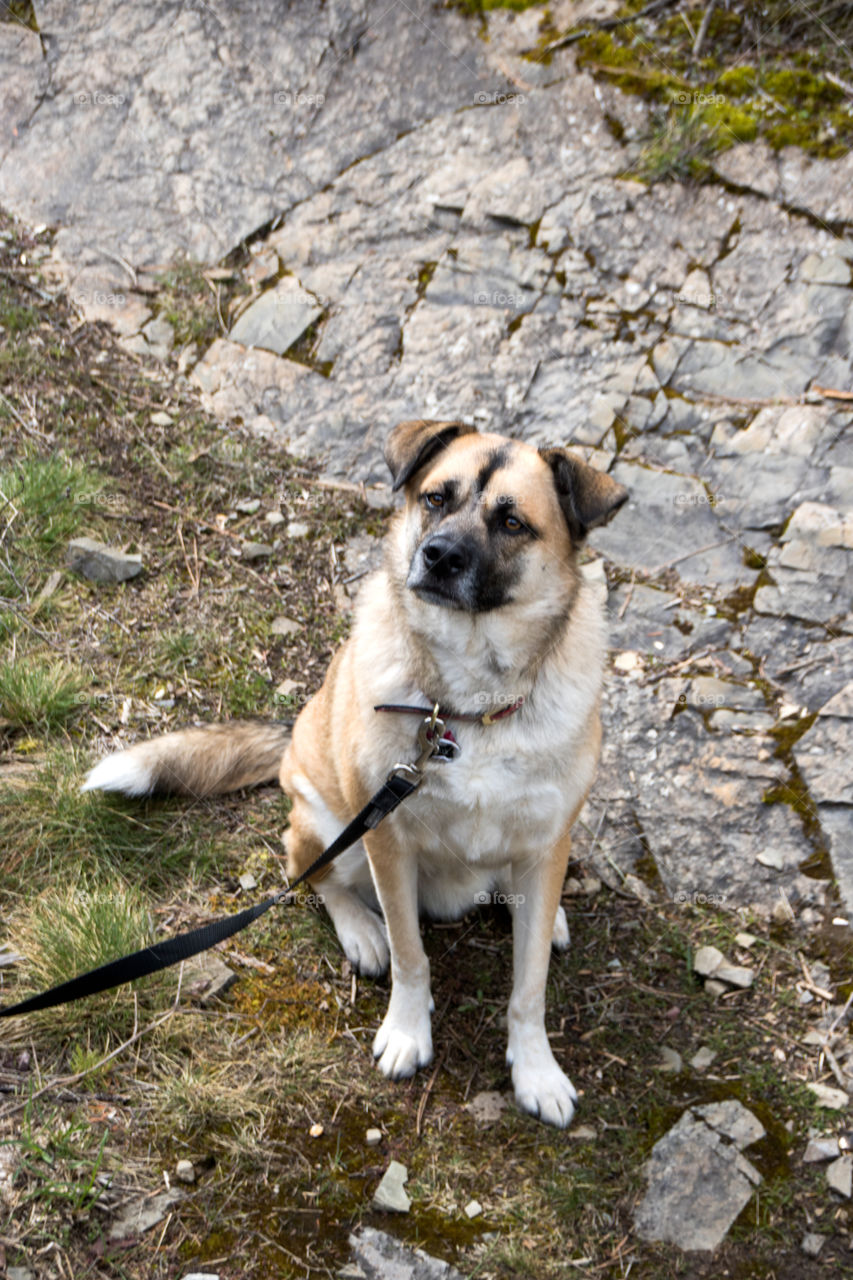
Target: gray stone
pixel 839 1175
pixel 142 1215
pixel 811 1244
pixel 278 318
pixel 820 1149
pixel 487 1107
pixel 99 563
pixel 390 1194
pixel 206 977
pixel 185 1171
pixel 256 550
pixel 284 626
pixel 698 1179
pixel 703 1058
pixel 379 1256
pixel 19 1273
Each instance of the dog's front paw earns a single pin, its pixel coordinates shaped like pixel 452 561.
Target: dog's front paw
pixel 560 937
pixel 545 1091
pixel 365 942
pixel 401 1050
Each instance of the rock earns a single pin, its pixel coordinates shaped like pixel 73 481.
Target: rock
pixel 278 318
pixel 390 1194
pixel 746 940
pixel 670 1060
pixel 255 550
pixel 373 1137
pixel 839 1175
pixel 316 1131
pixel 161 419
pixel 703 1058
pixel 473 1209
pixel 298 529
pixel 698 1179
pixel 100 563
pixel 707 960
pixel 184 1171
pixel 247 881
pixel 829 1097
pixel 819 1149
pixel 142 1215
pixel 811 1244
pixel 378 1256
pixel 206 976
pixel 248 506
pixel 19 1273
pixel 283 626
pixel 202 1275
pixel 715 988
pixel 274 518
pixel 486 1107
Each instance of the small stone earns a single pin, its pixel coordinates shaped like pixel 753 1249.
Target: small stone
pixel 248 506
pixel 283 626
pixel 702 1059
pixel 274 517
pixel 137 1218
pixel 782 912
pixel 820 1149
pixel 184 1171
pixel 373 1137
pixel 316 1131
pixel 247 881
pixel 287 687
pixel 773 858
pixel 99 563
pixel 486 1107
pixel 670 1060
pixel 390 1194
pixel 746 940
pixel 839 1175
pixel 583 1133
pixel 811 1244
pixel 715 988
pixel 473 1209
pixel 628 660
pixel 161 419
pixel 297 529
pixel 255 550
pixel 206 976
pixel 202 1275
pixel 735 975
pixel 788 711
pixel 707 960
pixel 19 1273
pixel 832 1099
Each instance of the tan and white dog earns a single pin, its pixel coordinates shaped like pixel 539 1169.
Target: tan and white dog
pixel 480 607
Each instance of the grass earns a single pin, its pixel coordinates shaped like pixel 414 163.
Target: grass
pixel 40 695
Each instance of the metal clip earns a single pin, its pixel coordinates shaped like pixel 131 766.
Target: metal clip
pixel 429 736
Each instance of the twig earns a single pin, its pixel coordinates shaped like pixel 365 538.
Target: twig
pixel 703 28
pixel 425 1095
pixel 810 982
pixel 843 85
pixel 688 555
pixel 195 577
pixel 830 393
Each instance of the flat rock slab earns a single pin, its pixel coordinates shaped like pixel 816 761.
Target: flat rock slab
pixel 99 563
pixel 278 318
pixel 144 1214
pixel 378 1256
pixel 698 1179
pixel 391 1194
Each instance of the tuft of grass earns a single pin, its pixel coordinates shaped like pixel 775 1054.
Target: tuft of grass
pixel 68 930
pixel 39 695
pixel 681 145
pixel 57 1163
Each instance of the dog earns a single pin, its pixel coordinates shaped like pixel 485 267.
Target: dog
pixel 482 609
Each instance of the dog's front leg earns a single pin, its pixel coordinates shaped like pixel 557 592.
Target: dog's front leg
pixel 541 1087
pixel 404 1041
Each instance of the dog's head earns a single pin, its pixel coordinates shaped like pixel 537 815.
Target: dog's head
pixel 490 521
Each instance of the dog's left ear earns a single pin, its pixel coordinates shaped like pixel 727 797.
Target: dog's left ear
pixel 588 497
pixel 412 444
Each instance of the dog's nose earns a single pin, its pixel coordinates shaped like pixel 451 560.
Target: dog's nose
pixel 445 557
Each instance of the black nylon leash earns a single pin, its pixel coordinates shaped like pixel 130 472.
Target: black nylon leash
pixel 396 788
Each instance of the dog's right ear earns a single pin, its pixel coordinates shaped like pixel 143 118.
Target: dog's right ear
pixel 411 445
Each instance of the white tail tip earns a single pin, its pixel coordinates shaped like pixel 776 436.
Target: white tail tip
pixel 122 771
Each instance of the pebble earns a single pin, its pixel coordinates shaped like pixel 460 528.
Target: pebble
pixel 839 1175
pixel 829 1097
pixel 473 1209
pixel 161 419
pixel 486 1107
pixel 248 506
pixel 811 1244
pixel 297 529
pixel 671 1060
pixel 256 550
pixel 819 1149
pixel 247 881
pixel 373 1137
pixel 184 1171
pixel 316 1131
pixel 99 563
pixel 390 1194
pixel 703 1058
pixel 284 626
pixel 274 517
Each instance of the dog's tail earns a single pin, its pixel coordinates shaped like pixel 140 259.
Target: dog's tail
pixel 195 762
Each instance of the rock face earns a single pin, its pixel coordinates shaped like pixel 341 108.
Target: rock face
pixel 698 1179
pixel 451 223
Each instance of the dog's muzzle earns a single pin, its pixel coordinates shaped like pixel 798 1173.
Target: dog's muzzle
pixel 444 570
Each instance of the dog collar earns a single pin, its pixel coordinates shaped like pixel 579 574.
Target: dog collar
pixel 484 718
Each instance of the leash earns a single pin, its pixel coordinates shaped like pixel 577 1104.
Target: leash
pixel 398 786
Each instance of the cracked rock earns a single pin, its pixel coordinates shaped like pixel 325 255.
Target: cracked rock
pixel 99 563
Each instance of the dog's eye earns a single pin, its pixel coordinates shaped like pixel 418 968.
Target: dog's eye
pixel 512 524
pixel 434 500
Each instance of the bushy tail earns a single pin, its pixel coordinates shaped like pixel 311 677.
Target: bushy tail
pixel 195 762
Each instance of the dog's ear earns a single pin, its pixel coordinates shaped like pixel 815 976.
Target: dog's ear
pixel 587 497
pixel 412 444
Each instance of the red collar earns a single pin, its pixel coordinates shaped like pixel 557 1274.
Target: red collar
pixel 485 718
